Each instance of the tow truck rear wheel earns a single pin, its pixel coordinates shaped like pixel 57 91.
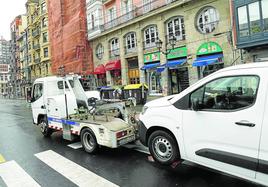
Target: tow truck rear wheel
pixel 89 141
pixel 46 131
pixel 163 147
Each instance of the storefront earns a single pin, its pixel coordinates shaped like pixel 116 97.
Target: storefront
pixel 209 58
pixel 100 73
pixel 114 68
pixel 133 71
pixel 153 77
pixel 177 70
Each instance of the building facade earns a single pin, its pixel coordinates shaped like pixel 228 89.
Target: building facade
pixel 70 50
pixel 166 44
pixel 4 66
pixel 37 36
pixel 250 20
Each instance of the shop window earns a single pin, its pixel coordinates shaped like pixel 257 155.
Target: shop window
pixel 101 80
pixel 131 42
pixel 175 27
pixel 155 82
pixel 206 70
pixel 99 51
pixel 114 47
pixel 116 77
pixel 207 20
pixel 150 36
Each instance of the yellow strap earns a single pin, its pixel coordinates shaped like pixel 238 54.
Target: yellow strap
pixel 2 159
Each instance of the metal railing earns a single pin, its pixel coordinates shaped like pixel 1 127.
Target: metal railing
pixel 36 46
pixel 131 50
pixel 114 53
pixel 36 33
pixel 37 60
pixel 137 11
pixel 96 28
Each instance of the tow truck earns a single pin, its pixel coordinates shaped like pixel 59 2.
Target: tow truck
pixel 61 104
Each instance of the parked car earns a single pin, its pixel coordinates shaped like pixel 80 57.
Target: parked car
pixel 220 122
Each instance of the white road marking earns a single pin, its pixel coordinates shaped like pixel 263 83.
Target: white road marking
pixel 137 147
pixel 13 175
pixel 76 145
pixel 72 171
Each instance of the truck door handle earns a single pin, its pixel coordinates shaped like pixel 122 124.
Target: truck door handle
pixel 245 123
pixel 42 107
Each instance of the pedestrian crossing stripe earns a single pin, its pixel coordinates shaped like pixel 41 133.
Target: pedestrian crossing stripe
pixel 72 171
pixel 2 159
pixel 13 175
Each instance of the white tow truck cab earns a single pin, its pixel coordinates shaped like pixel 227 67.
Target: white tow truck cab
pixel 220 122
pixel 61 104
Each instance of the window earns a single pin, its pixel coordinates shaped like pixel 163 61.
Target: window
pixel 264 3
pixel 37 91
pixel 45 52
pixel 43 8
pixel 228 93
pixel 131 42
pixel 99 51
pixel 175 27
pixel 254 17
pixel 207 20
pixel 243 21
pixel 44 22
pixel 150 36
pixel 147 5
pixel 45 37
pixel 114 47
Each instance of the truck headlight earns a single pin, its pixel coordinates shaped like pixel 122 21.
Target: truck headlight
pixel 144 108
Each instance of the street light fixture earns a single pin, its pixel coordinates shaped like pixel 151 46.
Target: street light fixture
pixel 171 41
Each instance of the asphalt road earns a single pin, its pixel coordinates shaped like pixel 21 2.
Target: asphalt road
pixel 22 146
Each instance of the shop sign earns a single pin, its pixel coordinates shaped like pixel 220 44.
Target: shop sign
pixel 209 48
pixel 152 57
pixel 177 53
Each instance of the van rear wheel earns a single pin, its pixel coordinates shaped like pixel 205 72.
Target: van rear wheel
pixel 45 130
pixel 89 141
pixel 163 147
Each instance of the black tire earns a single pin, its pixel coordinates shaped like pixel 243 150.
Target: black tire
pixel 45 130
pixel 163 147
pixel 89 141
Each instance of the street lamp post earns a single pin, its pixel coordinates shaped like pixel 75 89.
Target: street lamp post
pixel 171 42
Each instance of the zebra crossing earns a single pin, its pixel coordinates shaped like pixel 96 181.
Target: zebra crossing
pixel 13 175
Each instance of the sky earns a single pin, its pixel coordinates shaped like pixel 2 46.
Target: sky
pixel 9 9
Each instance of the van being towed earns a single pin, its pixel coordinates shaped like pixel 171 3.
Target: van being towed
pixel 220 122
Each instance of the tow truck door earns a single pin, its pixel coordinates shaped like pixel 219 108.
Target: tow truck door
pixel 37 100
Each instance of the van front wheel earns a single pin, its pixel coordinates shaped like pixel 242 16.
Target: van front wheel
pixel 163 147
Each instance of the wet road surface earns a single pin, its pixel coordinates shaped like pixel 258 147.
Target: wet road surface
pixel 23 146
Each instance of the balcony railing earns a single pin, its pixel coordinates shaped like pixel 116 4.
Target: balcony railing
pixel 136 12
pixel 96 28
pixel 37 60
pixel 36 33
pixel 131 50
pixel 36 46
pixel 148 45
pixel 114 53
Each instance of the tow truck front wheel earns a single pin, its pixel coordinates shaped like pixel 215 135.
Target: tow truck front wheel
pixel 45 130
pixel 163 147
pixel 89 141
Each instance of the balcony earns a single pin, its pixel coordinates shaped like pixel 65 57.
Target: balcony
pixel 149 45
pixel 36 33
pixel 136 11
pixel 36 47
pixel 37 60
pixel 250 33
pixel 131 50
pixel 106 1
pixel 114 53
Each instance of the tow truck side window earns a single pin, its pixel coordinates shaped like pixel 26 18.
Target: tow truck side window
pixel 37 91
pixel 228 93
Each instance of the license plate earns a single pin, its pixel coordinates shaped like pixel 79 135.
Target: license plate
pixel 126 140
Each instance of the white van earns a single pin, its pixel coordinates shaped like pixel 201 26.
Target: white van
pixel 220 122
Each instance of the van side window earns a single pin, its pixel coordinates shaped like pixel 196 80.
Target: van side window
pixel 228 93
pixel 37 91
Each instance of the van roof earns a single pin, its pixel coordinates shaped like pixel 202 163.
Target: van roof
pixel 247 66
pixel 51 78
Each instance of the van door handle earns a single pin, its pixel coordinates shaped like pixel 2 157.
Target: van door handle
pixel 245 123
pixel 43 107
